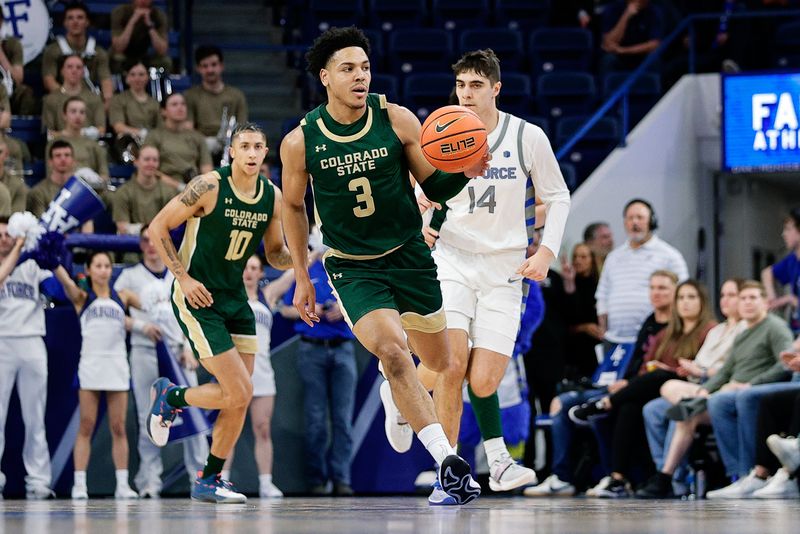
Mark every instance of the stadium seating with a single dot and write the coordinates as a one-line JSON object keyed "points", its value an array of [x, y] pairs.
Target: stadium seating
{"points": [[643, 94], [560, 49], [460, 14], [423, 93], [507, 44], [323, 14], [521, 14], [515, 95], [565, 93], [420, 50], [385, 84], [593, 147], [388, 15]]}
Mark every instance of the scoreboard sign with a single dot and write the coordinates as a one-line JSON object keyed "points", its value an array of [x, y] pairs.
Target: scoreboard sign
{"points": [[760, 130]]}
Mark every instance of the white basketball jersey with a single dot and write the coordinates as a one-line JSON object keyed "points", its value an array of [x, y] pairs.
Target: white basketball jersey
{"points": [[103, 327], [21, 312], [263, 327], [493, 212], [135, 279]]}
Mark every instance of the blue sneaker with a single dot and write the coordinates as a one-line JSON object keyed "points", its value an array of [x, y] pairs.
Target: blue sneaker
{"points": [[456, 480], [214, 489], [438, 497], [161, 413]]}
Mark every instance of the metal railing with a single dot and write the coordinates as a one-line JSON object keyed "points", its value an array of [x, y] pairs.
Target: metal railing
{"points": [[622, 93]]}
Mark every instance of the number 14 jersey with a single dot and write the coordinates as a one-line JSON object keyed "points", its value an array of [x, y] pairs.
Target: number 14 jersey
{"points": [[363, 199], [216, 247]]}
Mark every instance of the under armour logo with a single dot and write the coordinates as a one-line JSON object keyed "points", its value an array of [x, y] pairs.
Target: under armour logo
{"points": [[321, 148], [336, 276], [228, 201]]}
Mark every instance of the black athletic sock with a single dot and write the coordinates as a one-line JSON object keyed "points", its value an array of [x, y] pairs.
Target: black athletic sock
{"points": [[213, 465], [176, 397]]}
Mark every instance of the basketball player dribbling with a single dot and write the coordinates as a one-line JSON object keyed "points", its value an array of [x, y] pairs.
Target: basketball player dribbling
{"points": [[227, 212], [480, 257], [358, 150]]}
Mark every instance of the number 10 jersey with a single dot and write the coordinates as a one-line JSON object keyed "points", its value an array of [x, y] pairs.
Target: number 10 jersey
{"points": [[363, 199]]}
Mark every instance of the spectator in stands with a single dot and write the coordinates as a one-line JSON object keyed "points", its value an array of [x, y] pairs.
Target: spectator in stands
{"points": [[622, 302], [71, 68], [138, 201], [753, 360], [23, 101], [23, 360], [61, 164], [136, 29], [18, 191], [103, 367], [183, 150], [632, 29], [686, 331], [580, 284], [96, 74], [709, 360], [327, 365], [5, 201], [134, 112], [561, 482], [86, 151], [600, 239], [779, 413], [786, 271], [152, 282], [18, 153], [212, 101], [5, 108]]}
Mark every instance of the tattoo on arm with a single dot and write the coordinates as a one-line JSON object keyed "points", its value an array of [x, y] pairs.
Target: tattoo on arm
{"points": [[281, 260], [175, 264], [196, 188]]}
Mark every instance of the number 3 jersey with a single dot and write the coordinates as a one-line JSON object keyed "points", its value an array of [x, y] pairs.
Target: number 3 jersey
{"points": [[495, 212], [216, 246], [364, 202]]}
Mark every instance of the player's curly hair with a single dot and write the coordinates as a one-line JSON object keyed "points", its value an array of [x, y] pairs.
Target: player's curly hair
{"points": [[332, 41]]}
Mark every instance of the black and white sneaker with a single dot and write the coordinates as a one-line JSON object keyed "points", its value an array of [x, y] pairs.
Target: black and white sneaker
{"points": [[456, 480], [587, 412], [659, 486], [611, 488]]}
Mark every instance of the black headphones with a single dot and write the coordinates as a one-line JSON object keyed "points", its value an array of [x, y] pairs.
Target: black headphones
{"points": [[653, 223]]}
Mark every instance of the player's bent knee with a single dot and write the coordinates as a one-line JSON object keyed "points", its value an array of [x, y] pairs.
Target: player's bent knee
{"points": [[483, 388], [395, 359]]}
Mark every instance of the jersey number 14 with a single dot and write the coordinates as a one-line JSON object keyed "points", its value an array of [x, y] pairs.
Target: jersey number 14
{"points": [[485, 201]]}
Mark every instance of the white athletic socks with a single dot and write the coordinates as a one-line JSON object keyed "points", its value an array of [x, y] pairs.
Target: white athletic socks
{"points": [[80, 479], [225, 474], [122, 478], [494, 448], [434, 439], [264, 481]]}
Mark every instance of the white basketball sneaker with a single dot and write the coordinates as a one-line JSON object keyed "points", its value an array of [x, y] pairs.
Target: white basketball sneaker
{"points": [[398, 431], [505, 474], [551, 487], [79, 493], [125, 493], [780, 486]]}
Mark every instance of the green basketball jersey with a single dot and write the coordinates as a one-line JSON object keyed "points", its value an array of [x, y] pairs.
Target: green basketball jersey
{"points": [[364, 201], [216, 246]]}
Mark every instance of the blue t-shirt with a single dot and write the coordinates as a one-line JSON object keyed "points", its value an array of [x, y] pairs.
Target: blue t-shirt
{"points": [[323, 329], [646, 25], [787, 271]]}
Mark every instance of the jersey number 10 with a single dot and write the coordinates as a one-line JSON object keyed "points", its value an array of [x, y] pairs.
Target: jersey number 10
{"points": [[239, 241]]}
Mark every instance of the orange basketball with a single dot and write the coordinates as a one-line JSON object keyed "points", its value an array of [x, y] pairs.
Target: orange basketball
{"points": [[453, 139]]}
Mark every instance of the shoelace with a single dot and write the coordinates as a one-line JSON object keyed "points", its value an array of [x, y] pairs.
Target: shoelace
{"points": [[171, 414]]}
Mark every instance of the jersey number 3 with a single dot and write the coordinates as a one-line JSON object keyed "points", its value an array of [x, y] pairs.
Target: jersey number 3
{"points": [[239, 241], [366, 205]]}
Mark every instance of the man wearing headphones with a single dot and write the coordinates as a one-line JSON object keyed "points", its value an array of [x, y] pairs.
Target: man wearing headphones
{"points": [[622, 293]]}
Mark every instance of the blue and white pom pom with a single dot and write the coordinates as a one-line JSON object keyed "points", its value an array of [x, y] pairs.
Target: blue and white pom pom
{"points": [[25, 224]]}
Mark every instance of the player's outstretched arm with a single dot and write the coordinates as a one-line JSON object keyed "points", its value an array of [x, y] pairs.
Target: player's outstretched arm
{"points": [[437, 185], [198, 199], [277, 254], [295, 221]]}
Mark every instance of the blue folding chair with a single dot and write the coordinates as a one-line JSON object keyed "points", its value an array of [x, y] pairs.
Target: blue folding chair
{"points": [[385, 84], [388, 15], [560, 49], [460, 14], [507, 44], [423, 93], [522, 15], [593, 147], [565, 93], [412, 51]]}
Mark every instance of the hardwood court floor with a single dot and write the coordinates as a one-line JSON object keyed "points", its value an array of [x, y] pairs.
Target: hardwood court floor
{"points": [[401, 515]]}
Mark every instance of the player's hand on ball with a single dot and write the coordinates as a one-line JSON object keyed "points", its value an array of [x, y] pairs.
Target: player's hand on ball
{"points": [[305, 300], [481, 167], [195, 293], [536, 266], [430, 236], [152, 331]]}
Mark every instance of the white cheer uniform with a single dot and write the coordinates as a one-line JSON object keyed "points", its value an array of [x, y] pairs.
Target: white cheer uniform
{"points": [[263, 375], [23, 360], [153, 290], [104, 360], [487, 229]]}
